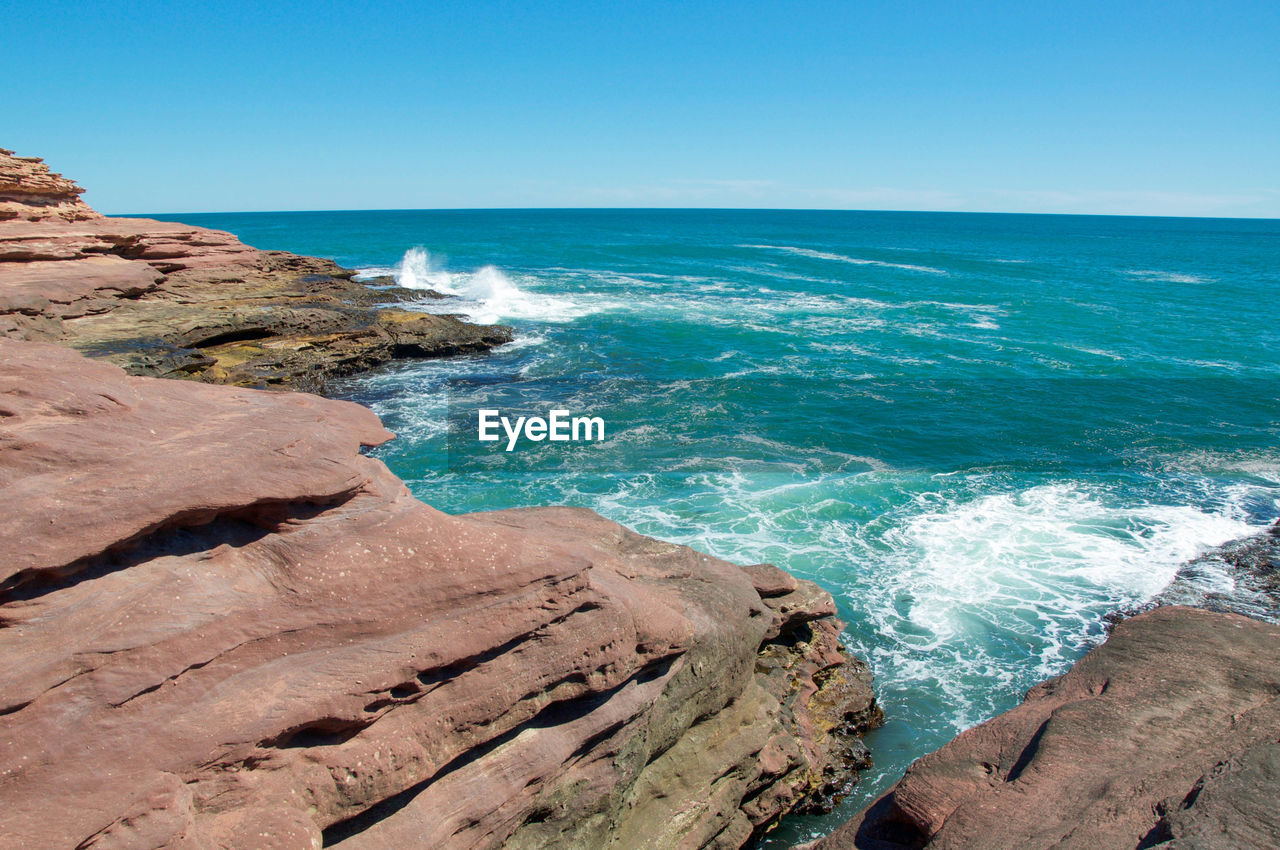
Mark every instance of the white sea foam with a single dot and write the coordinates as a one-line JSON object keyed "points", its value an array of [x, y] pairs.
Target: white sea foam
{"points": [[966, 579], [1207, 364], [966, 593], [1198, 476], [1045, 545], [486, 295], [370, 272], [981, 316], [1166, 276], [1096, 352], [841, 258]]}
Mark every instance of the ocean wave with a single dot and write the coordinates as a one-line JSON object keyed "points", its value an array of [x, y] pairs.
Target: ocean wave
{"points": [[965, 579], [982, 316], [841, 258], [1199, 476], [966, 593], [365, 273], [1166, 277], [523, 341], [486, 295], [1096, 352]]}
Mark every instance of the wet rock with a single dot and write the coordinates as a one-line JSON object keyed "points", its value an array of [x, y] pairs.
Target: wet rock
{"points": [[1242, 576]]}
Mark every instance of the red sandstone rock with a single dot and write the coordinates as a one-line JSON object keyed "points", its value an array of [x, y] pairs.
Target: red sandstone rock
{"points": [[173, 300], [1166, 733], [165, 245], [66, 290], [222, 626], [29, 190]]}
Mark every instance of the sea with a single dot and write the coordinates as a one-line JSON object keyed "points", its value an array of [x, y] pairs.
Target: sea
{"points": [[981, 433]]}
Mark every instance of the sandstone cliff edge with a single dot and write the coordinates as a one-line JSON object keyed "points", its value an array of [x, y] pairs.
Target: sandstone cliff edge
{"points": [[222, 625]]}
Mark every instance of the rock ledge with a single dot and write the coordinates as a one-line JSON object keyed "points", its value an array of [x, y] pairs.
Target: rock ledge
{"points": [[1167, 734], [224, 626], [171, 300]]}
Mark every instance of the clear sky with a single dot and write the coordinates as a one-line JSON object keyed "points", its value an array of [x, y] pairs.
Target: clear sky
{"points": [[1163, 108]]}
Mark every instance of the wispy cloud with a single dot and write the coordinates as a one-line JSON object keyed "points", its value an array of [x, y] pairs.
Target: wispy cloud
{"points": [[1260, 202], [885, 198], [749, 192], [684, 192], [768, 193]]}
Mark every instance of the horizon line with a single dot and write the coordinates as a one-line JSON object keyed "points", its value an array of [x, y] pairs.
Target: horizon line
{"points": [[694, 209]]}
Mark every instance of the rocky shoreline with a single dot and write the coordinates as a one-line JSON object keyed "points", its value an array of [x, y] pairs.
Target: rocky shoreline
{"points": [[1250, 567], [1165, 735], [176, 301], [223, 625], [221, 621], [1168, 734]]}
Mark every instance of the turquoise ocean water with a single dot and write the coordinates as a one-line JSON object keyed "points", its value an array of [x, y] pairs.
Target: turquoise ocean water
{"points": [[980, 432]]}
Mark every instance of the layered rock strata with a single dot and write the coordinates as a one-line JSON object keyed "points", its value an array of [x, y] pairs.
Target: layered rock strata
{"points": [[1168, 734], [224, 626], [30, 191], [172, 300]]}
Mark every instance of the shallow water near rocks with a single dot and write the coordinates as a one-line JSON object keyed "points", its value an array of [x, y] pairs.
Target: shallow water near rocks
{"points": [[981, 433]]}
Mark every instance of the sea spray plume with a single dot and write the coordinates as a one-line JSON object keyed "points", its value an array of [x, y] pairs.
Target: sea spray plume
{"points": [[416, 271], [411, 271], [496, 295], [491, 285], [487, 294]]}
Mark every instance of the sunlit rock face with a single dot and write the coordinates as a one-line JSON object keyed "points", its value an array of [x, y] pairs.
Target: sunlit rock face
{"points": [[1165, 733], [172, 300], [223, 625]]}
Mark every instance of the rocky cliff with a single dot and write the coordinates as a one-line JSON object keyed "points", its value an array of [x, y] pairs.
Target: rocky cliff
{"points": [[172, 300], [224, 626], [1168, 734], [30, 191]]}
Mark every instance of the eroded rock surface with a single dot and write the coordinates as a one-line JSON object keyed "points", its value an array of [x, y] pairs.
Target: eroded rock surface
{"points": [[223, 626], [173, 300], [1166, 735], [30, 191]]}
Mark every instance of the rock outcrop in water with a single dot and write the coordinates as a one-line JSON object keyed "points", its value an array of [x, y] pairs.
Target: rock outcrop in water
{"points": [[1168, 734], [1242, 576], [172, 300], [224, 626]]}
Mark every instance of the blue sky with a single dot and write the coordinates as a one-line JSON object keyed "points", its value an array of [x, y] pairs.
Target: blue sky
{"points": [[1162, 108]]}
